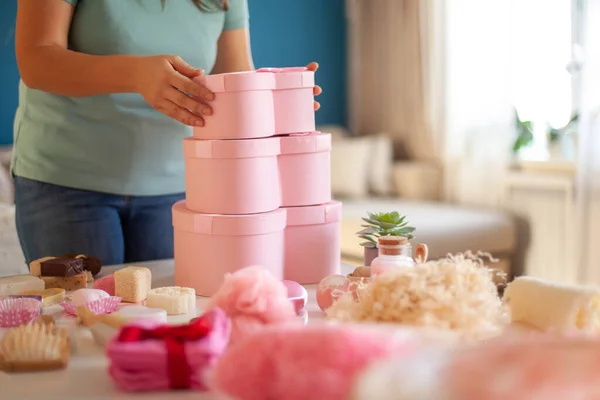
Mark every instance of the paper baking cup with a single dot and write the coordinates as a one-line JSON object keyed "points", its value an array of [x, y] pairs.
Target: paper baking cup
{"points": [[18, 311], [98, 307]]}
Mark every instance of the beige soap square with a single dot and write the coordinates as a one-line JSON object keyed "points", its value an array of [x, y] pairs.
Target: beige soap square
{"points": [[133, 283]]}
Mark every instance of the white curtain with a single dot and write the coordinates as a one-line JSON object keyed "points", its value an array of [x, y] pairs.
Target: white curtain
{"points": [[588, 200], [395, 60], [478, 114]]}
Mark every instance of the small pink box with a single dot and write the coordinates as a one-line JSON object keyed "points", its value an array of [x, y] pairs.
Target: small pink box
{"points": [[312, 242], [293, 99], [232, 176], [243, 106], [209, 246], [304, 169]]}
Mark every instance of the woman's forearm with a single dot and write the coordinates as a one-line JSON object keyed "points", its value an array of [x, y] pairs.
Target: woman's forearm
{"points": [[54, 69], [233, 52]]}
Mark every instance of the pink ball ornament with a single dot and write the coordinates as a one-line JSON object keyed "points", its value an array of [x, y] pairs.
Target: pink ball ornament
{"points": [[330, 289]]}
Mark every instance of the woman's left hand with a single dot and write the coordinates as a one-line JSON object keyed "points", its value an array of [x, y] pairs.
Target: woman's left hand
{"points": [[313, 66]]}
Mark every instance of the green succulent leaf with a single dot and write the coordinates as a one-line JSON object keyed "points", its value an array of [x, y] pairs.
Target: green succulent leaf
{"points": [[367, 230], [368, 237], [369, 245]]}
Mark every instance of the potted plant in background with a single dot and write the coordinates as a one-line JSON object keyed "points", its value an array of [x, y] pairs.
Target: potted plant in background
{"points": [[382, 224]]}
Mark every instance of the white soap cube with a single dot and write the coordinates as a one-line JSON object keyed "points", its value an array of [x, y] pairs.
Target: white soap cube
{"points": [[174, 300], [133, 283]]}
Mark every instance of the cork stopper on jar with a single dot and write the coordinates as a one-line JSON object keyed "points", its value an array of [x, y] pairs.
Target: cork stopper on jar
{"points": [[391, 245]]}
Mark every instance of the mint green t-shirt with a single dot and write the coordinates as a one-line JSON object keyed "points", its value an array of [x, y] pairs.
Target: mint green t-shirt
{"points": [[117, 143]]}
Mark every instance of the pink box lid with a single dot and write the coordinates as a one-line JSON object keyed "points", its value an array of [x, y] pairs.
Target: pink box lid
{"points": [[227, 225], [244, 148], [313, 215], [313, 142], [291, 78], [238, 81]]}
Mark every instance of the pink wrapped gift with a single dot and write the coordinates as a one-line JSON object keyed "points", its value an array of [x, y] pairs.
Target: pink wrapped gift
{"points": [[232, 176], [312, 242], [293, 99], [304, 169], [209, 246], [242, 108], [146, 357]]}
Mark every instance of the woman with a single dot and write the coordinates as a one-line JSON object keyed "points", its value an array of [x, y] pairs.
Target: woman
{"points": [[97, 158]]}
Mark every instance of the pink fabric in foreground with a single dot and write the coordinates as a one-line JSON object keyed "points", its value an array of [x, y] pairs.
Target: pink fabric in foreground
{"points": [[142, 366], [253, 298], [536, 367], [315, 362]]}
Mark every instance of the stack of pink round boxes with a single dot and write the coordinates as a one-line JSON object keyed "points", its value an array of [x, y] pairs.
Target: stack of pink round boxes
{"points": [[257, 184]]}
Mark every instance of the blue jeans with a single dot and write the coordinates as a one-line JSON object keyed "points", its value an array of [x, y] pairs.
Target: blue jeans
{"points": [[53, 220]]}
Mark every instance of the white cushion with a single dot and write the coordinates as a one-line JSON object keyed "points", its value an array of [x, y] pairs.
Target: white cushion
{"points": [[417, 180], [350, 167], [380, 176]]}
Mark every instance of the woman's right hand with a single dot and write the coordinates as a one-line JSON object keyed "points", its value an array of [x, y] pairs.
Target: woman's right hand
{"points": [[166, 84]]}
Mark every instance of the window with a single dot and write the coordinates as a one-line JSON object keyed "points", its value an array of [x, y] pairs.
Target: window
{"points": [[545, 60]]}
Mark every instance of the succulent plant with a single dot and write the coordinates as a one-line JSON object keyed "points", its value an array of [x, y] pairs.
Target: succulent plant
{"points": [[384, 224]]}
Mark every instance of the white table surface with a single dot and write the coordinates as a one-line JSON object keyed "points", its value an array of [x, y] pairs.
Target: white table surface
{"points": [[86, 376]]}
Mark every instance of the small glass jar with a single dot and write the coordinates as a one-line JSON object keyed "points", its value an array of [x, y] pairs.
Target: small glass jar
{"points": [[394, 252]]}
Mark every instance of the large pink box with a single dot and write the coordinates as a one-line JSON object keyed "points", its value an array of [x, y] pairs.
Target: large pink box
{"points": [[293, 99], [209, 246], [304, 169], [312, 242], [232, 176], [242, 108]]}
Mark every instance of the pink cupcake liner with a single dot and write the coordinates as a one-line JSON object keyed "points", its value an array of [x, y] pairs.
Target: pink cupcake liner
{"points": [[101, 306], [18, 311]]}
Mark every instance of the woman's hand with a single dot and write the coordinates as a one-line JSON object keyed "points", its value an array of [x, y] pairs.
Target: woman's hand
{"points": [[313, 66], [166, 84]]}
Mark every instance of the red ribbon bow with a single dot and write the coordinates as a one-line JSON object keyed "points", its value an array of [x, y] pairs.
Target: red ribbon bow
{"points": [[174, 338]]}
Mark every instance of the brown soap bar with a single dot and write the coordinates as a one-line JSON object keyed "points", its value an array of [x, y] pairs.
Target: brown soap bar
{"points": [[61, 267], [90, 263], [68, 283]]}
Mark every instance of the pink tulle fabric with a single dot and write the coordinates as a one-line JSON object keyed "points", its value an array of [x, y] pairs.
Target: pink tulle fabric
{"points": [[142, 366], [253, 298], [536, 367], [288, 363]]}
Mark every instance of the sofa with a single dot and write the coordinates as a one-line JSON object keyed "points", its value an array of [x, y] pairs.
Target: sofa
{"points": [[444, 228], [367, 178]]}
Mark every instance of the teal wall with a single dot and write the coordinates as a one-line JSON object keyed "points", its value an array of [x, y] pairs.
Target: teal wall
{"points": [[283, 32]]}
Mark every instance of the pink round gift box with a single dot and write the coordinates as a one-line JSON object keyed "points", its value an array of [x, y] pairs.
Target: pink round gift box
{"points": [[304, 169], [312, 242], [242, 108], [293, 99], [209, 246], [232, 176]]}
